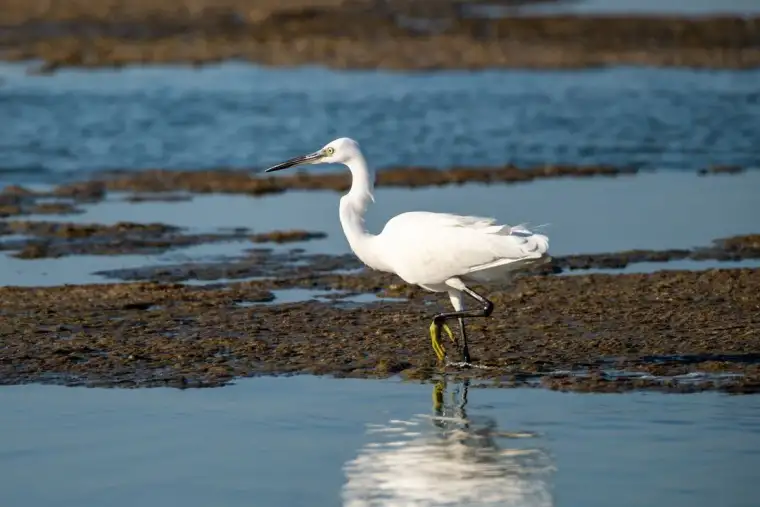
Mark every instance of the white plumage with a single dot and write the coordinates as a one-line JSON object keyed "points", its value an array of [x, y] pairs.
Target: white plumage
{"points": [[427, 249], [437, 251], [456, 461], [455, 469]]}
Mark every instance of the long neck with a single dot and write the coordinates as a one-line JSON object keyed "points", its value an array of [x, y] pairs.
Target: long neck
{"points": [[353, 207]]}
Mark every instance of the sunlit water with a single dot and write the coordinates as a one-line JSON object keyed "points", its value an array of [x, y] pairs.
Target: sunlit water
{"points": [[78, 122], [75, 123], [319, 442], [650, 211]]}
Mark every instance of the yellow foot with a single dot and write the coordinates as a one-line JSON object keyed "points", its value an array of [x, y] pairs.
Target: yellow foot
{"points": [[435, 338], [450, 333]]}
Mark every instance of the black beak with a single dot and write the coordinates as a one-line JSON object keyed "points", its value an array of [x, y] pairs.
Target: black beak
{"points": [[303, 159]]}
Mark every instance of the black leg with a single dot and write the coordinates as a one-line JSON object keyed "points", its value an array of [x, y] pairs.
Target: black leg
{"points": [[487, 309], [465, 350]]}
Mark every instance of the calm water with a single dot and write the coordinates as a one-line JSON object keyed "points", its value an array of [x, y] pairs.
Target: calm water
{"points": [[656, 211], [653, 211], [243, 116], [321, 442]]}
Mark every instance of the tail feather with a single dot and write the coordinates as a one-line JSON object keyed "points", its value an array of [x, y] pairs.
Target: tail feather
{"points": [[517, 249], [531, 244]]}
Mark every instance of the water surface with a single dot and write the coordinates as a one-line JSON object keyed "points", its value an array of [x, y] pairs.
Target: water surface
{"points": [[648, 211], [77, 122], [319, 442]]}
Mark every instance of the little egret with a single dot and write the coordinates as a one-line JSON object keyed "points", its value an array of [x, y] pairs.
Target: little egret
{"points": [[437, 251]]}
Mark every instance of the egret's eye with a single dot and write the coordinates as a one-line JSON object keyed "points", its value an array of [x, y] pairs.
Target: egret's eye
{"points": [[330, 150]]}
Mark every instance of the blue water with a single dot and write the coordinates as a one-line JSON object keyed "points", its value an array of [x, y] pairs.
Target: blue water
{"points": [[320, 442], [650, 211], [653, 211], [78, 122]]}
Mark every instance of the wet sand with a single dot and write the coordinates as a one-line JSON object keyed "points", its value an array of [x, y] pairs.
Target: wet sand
{"points": [[672, 330], [37, 239], [570, 333], [362, 34]]}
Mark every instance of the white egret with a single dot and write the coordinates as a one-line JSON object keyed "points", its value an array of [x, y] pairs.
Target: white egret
{"points": [[436, 251]]}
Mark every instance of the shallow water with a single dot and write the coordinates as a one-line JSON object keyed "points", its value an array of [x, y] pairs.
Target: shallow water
{"points": [[77, 122], [306, 441], [648, 211], [81, 269], [319, 442], [659, 211]]}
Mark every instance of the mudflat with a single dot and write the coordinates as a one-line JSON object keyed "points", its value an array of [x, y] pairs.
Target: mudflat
{"points": [[562, 332], [413, 35]]}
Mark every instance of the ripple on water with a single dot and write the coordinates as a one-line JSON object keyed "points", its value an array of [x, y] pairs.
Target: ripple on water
{"points": [[237, 115]]}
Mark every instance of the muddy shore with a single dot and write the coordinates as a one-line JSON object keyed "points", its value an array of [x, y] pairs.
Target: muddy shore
{"points": [[675, 331], [408, 35], [172, 186], [656, 326], [58, 239]]}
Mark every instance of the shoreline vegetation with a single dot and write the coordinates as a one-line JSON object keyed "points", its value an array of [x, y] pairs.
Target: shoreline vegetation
{"points": [[361, 34]]}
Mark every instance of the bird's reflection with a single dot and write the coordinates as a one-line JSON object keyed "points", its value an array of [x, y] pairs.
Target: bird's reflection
{"points": [[458, 460]]}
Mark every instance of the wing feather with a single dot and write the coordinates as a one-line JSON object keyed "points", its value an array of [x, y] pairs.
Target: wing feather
{"points": [[428, 248]]}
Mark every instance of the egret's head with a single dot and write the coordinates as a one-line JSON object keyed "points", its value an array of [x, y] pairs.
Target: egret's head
{"points": [[339, 151]]}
